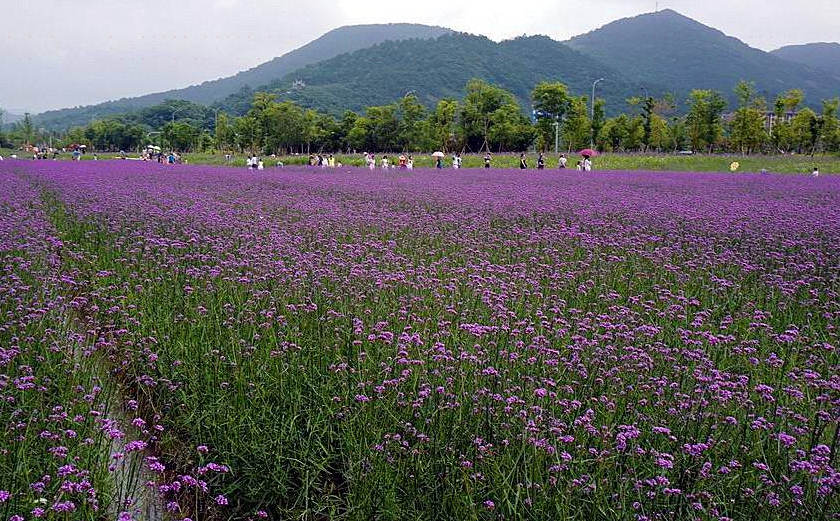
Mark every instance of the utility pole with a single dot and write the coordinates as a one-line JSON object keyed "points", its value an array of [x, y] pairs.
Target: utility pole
{"points": [[592, 117], [556, 135]]}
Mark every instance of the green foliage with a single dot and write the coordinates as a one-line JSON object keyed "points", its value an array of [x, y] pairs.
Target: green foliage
{"points": [[577, 128], [181, 136], [551, 101], [438, 69], [682, 55], [704, 119], [747, 132]]}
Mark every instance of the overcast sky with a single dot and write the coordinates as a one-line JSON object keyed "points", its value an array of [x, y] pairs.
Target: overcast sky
{"points": [[57, 53]]}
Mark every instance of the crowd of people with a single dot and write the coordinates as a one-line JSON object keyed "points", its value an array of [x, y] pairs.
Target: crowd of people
{"points": [[403, 162]]}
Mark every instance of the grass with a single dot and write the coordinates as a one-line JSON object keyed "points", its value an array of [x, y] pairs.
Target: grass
{"points": [[788, 164]]}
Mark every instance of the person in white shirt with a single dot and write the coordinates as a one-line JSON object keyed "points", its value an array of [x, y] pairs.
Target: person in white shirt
{"points": [[563, 161], [816, 172], [409, 164], [587, 164], [248, 162], [384, 162]]}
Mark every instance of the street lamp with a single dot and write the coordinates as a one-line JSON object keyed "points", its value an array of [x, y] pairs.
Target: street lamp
{"points": [[592, 118]]}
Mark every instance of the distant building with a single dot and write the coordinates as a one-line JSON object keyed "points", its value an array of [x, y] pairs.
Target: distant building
{"points": [[298, 85], [770, 119]]}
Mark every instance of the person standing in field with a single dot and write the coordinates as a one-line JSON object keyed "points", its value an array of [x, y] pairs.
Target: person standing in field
{"points": [[579, 166], [487, 160], [385, 162], [409, 164], [562, 161], [523, 163], [439, 163], [816, 172], [587, 164], [541, 162]]}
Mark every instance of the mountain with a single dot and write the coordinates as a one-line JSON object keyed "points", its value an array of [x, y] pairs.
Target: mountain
{"points": [[331, 44], [681, 54], [440, 68], [825, 56], [11, 116]]}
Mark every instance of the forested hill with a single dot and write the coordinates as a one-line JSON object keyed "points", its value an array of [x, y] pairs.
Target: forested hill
{"points": [[333, 43], [437, 69], [825, 56], [669, 49]]}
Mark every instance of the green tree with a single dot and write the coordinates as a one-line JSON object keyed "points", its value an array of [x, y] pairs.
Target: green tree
{"points": [[412, 123], [747, 126], [577, 127], [704, 124], [805, 131], [180, 135], [829, 127], [27, 130], [348, 120], [283, 126], [359, 137], [551, 101], [481, 101], [225, 136], [248, 133], [510, 129], [599, 114], [660, 136], [443, 125], [648, 112], [384, 128]]}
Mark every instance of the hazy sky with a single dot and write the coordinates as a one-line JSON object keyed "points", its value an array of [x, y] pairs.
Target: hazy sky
{"points": [[59, 53]]}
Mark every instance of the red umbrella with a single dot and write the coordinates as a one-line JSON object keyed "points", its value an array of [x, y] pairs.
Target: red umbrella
{"points": [[588, 152]]}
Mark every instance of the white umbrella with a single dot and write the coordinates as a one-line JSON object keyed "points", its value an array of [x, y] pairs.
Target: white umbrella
{"points": [[438, 154]]}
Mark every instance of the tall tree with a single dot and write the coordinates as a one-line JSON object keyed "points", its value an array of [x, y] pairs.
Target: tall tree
{"points": [[805, 131], [648, 112], [704, 119], [747, 127], [27, 130], [481, 101], [412, 116], [551, 101], [443, 125], [224, 132], [829, 127], [577, 128]]}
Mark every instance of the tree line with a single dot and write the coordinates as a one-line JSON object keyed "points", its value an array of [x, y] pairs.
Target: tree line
{"points": [[487, 118]]}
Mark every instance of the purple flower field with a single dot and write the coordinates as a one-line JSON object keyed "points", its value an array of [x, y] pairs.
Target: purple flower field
{"points": [[215, 343]]}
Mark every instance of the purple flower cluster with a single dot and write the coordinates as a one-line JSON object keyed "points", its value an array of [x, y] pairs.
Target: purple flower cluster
{"points": [[484, 344]]}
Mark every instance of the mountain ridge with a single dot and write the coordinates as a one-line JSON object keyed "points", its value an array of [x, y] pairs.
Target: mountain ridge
{"points": [[675, 50], [328, 45], [657, 52], [438, 69], [824, 56]]}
